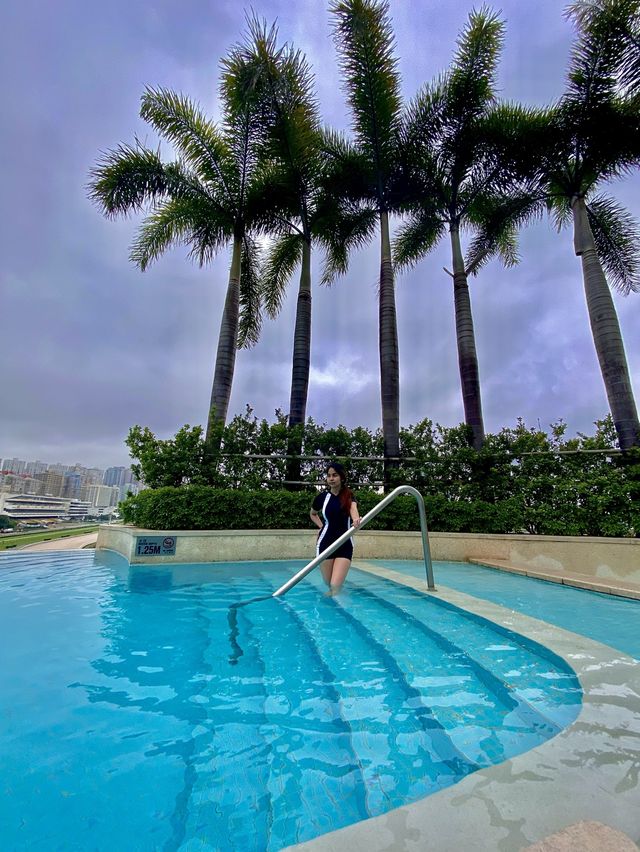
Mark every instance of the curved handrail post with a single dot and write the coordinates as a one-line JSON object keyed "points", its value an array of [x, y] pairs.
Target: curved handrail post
{"points": [[401, 489]]}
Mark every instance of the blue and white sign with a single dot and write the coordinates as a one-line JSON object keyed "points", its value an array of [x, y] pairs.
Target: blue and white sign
{"points": [[156, 545]]}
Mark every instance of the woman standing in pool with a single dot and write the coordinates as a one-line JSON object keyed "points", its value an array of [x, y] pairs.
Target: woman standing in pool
{"points": [[334, 511]]}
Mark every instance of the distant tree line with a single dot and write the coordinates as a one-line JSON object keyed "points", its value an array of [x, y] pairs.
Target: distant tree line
{"points": [[454, 159]]}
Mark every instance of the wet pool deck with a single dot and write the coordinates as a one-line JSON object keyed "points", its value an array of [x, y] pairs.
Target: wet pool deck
{"points": [[586, 775]]}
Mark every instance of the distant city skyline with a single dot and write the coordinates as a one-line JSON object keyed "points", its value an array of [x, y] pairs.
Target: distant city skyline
{"points": [[59, 464], [34, 481]]}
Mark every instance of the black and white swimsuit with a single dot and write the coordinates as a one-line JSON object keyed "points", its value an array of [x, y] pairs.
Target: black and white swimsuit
{"points": [[336, 522]]}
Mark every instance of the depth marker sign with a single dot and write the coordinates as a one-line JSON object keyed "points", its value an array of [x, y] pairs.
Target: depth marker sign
{"points": [[156, 545]]}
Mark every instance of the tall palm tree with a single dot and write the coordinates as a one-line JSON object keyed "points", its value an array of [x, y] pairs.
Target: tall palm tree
{"points": [[211, 196], [594, 137], [365, 45], [455, 138], [308, 211]]}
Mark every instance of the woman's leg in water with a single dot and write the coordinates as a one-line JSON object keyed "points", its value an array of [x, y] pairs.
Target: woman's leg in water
{"points": [[327, 569], [339, 574]]}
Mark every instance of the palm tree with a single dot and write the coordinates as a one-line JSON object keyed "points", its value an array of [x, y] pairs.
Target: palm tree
{"points": [[211, 196], [365, 44], [455, 141], [594, 137], [307, 210]]}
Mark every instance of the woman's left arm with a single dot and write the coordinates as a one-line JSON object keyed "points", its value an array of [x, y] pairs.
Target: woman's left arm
{"points": [[355, 515]]}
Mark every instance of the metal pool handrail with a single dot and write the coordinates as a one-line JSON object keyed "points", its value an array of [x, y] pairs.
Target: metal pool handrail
{"points": [[401, 489]]}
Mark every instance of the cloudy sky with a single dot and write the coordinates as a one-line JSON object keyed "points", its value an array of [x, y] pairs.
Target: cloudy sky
{"points": [[91, 346]]}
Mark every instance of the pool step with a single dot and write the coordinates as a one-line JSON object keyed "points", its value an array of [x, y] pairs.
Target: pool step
{"points": [[483, 717], [442, 675], [226, 791], [311, 762], [537, 678], [390, 726]]}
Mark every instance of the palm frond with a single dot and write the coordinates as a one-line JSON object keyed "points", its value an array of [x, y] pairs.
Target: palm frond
{"points": [[179, 120], [245, 109], [160, 231], [287, 87], [496, 220], [126, 179], [521, 140], [597, 54], [282, 259], [617, 238], [417, 237], [366, 48], [486, 245], [186, 220], [558, 203], [272, 204], [423, 117], [611, 147], [472, 78], [250, 321], [597, 19], [347, 172], [346, 229]]}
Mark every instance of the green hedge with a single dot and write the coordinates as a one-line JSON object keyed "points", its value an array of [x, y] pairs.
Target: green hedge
{"points": [[523, 480], [594, 512]]}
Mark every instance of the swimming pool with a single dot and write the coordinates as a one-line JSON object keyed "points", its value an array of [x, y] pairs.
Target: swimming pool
{"points": [[131, 710]]}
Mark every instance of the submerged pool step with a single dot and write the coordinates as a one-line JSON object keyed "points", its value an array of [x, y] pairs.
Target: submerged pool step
{"points": [[311, 762], [484, 718], [404, 752], [533, 674], [244, 784], [226, 794]]}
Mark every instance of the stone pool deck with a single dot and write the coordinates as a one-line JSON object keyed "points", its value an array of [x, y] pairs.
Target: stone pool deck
{"points": [[588, 775]]}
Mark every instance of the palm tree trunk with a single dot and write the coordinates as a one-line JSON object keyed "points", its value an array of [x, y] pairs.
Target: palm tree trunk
{"points": [[226, 355], [301, 365], [606, 331], [389, 359], [465, 336]]}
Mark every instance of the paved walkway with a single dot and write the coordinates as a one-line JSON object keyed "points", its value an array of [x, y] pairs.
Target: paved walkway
{"points": [[73, 542]]}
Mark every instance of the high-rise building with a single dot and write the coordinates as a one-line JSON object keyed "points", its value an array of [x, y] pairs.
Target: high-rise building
{"points": [[53, 482], [58, 468], [14, 483], [94, 476], [13, 466], [72, 485], [34, 467], [113, 476], [101, 496]]}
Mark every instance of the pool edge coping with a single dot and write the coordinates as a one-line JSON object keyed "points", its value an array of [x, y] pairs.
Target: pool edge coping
{"points": [[584, 773]]}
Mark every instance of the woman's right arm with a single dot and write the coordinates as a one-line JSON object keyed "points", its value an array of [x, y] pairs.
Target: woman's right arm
{"points": [[315, 517]]}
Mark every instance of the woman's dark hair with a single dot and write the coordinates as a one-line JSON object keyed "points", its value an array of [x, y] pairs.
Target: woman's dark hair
{"points": [[345, 494]]}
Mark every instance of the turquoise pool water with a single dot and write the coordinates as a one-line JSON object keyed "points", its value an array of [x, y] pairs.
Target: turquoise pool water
{"points": [[135, 714], [605, 618]]}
